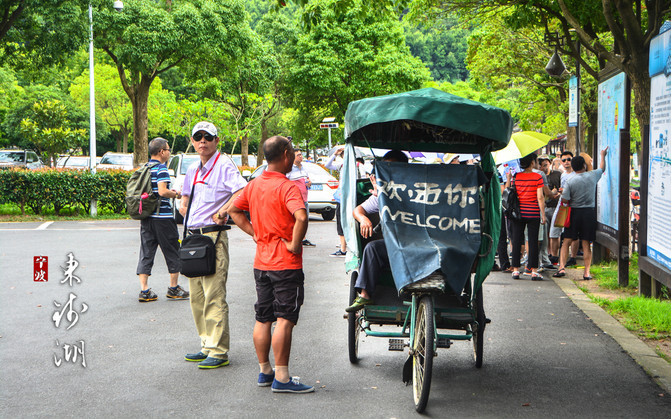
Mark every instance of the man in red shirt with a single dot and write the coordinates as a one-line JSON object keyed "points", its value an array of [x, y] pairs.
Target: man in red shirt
{"points": [[278, 224]]}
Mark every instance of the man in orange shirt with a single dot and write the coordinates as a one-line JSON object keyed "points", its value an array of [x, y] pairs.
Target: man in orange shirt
{"points": [[278, 224]]}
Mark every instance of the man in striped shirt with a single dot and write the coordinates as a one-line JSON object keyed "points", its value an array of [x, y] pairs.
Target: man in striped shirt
{"points": [[159, 229]]}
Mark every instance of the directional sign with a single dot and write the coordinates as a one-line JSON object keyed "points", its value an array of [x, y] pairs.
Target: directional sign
{"points": [[330, 125]]}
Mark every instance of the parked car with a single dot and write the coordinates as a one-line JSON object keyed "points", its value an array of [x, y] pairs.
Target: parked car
{"points": [[320, 193], [237, 158], [20, 158], [177, 167], [111, 160], [73, 162]]}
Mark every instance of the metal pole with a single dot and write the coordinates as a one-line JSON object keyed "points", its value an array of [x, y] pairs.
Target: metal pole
{"points": [[330, 146], [92, 110], [577, 75]]}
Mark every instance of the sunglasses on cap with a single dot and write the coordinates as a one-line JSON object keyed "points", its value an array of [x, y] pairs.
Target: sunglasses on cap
{"points": [[199, 136], [566, 159]]}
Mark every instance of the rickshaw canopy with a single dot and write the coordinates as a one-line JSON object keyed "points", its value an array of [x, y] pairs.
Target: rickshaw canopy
{"points": [[427, 120]]}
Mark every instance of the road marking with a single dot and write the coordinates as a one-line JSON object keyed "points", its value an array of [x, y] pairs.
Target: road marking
{"points": [[71, 229], [44, 226]]}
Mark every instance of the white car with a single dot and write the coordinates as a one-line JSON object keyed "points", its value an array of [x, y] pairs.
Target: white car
{"points": [[74, 162], [320, 193], [177, 166], [112, 160]]}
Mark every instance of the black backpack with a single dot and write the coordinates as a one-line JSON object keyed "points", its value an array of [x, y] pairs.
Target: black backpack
{"points": [[141, 201], [511, 202]]}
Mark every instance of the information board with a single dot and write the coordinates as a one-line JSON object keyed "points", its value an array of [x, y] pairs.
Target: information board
{"points": [[611, 112], [659, 178]]}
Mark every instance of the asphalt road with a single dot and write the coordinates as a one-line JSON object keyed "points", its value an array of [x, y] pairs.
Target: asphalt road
{"points": [[543, 356]]}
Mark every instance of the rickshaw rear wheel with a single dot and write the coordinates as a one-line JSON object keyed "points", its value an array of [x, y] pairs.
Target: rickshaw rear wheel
{"points": [[353, 328], [479, 334], [422, 353]]}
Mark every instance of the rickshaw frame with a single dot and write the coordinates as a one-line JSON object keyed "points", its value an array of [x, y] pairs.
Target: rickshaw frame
{"points": [[425, 120]]}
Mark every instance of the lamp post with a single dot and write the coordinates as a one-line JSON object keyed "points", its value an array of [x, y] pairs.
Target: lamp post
{"points": [[118, 5], [556, 68]]}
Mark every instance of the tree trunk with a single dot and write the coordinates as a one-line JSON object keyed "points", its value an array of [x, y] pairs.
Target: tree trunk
{"points": [[264, 136], [125, 132], [641, 87], [140, 122], [244, 150]]}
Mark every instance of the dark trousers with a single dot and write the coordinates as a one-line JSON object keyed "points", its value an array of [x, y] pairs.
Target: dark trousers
{"points": [[502, 249], [533, 225], [156, 232], [373, 262]]}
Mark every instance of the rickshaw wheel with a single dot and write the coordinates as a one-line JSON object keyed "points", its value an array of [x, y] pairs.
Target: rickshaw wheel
{"points": [[353, 328], [423, 351], [479, 335]]}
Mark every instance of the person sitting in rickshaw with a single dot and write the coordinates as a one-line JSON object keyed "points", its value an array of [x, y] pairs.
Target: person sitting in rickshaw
{"points": [[375, 259]]}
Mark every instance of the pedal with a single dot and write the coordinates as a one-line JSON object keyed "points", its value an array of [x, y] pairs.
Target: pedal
{"points": [[443, 343], [396, 344]]}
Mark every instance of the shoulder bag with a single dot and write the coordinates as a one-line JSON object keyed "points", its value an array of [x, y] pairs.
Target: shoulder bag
{"points": [[563, 218], [197, 253], [511, 202]]}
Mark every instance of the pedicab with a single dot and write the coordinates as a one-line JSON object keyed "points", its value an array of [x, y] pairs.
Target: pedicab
{"points": [[439, 223]]}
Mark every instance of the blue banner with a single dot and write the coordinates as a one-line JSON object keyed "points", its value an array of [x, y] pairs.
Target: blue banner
{"points": [[431, 220]]}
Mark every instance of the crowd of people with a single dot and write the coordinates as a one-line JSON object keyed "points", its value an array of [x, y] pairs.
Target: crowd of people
{"points": [[276, 202], [543, 186]]}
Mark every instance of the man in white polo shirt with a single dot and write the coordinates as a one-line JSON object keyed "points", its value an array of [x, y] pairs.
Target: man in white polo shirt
{"points": [[213, 182]]}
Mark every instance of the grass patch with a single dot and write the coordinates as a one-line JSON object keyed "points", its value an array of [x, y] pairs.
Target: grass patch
{"points": [[606, 274], [11, 213], [650, 317]]}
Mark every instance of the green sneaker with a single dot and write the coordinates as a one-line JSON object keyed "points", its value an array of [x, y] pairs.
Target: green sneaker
{"points": [[358, 304], [210, 363]]}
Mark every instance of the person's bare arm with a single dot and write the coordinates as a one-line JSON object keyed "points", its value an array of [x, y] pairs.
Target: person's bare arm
{"points": [[219, 217], [167, 193], [365, 224], [295, 246], [240, 219], [602, 160], [541, 202], [184, 205]]}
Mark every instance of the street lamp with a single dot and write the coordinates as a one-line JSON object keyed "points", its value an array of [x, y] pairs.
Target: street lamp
{"points": [[118, 5], [556, 68]]}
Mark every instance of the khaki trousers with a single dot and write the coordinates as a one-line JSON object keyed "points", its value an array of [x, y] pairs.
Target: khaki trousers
{"points": [[208, 303]]}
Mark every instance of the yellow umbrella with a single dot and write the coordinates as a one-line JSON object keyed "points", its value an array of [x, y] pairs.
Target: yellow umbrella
{"points": [[521, 144]]}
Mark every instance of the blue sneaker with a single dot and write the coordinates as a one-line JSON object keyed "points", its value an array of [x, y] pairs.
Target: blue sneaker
{"points": [[293, 386], [210, 363], [266, 379], [195, 357]]}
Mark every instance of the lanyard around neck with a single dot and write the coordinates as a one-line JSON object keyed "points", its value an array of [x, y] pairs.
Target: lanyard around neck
{"points": [[195, 178]]}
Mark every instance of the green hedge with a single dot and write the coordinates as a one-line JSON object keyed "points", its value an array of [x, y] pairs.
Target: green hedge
{"points": [[58, 188]]}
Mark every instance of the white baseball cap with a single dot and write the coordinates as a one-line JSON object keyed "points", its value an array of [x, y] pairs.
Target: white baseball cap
{"points": [[205, 126]]}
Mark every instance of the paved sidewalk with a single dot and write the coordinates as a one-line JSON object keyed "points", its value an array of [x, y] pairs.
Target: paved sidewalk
{"points": [[653, 364]]}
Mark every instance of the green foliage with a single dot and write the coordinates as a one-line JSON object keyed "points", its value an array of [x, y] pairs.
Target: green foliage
{"points": [[43, 189], [49, 129], [442, 47], [652, 317], [346, 57], [45, 31], [606, 274], [24, 108]]}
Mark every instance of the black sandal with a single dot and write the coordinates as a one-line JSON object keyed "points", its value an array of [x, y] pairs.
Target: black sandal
{"points": [[560, 273]]}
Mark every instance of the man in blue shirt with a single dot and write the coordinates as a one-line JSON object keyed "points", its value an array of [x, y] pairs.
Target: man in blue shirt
{"points": [[159, 229]]}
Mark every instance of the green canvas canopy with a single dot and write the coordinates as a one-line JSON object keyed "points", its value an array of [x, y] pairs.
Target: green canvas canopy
{"points": [[427, 120]]}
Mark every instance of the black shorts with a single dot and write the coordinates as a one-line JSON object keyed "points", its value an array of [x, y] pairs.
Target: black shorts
{"points": [[279, 294], [583, 224]]}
